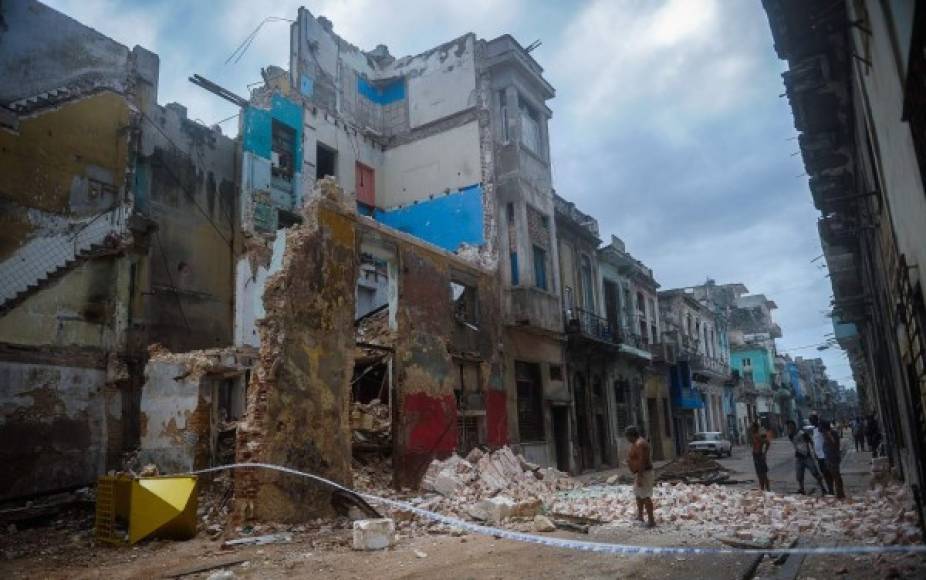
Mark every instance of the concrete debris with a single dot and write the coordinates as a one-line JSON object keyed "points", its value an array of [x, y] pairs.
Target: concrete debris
{"points": [[370, 418], [278, 538], [374, 534], [493, 510], [420, 554], [221, 575], [543, 524], [691, 468], [882, 515], [492, 486]]}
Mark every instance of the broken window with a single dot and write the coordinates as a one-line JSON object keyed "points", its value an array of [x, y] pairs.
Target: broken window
{"points": [[471, 408], [587, 286], [283, 153], [556, 372], [622, 404], [465, 304], [540, 268], [515, 275], [530, 128], [325, 161], [530, 401]]}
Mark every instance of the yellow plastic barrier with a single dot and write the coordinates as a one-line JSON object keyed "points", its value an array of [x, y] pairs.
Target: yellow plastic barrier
{"points": [[162, 506]]}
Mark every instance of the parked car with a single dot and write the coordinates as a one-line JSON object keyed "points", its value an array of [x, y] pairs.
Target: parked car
{"points": [[711, 442]]}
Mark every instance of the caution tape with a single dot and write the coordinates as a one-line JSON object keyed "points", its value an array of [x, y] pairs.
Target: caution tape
{"points": [[580, 545]]}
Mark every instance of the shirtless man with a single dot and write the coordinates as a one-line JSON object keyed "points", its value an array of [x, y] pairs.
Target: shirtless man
{"points": [[640, 464]]}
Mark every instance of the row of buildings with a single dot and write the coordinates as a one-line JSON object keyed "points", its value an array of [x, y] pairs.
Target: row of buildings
{"points": [[856, 82], [382, 233]]}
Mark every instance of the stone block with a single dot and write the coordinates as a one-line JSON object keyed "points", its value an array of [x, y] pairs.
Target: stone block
{"points": [[375, 534], [492, 510]]}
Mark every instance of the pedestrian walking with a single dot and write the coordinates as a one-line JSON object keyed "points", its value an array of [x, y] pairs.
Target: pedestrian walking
{"points": [[858, 433], [804, 459], [760, 445], [818, 450], [873, 434], [644, 478], [832, 450]]}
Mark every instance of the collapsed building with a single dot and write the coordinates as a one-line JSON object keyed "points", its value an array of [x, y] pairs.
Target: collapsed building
{"points": [[172, 290]]}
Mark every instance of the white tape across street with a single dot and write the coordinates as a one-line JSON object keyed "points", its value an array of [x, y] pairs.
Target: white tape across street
{"points": [[585, 546]]}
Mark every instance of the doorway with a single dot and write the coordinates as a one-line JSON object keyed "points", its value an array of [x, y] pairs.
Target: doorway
{"points": [[655, 430], [561, 436]]}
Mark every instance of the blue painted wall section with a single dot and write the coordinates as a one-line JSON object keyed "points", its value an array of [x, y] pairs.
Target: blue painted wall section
{"points": [[384, 94], [257, 140], [445, 221], [257, 131], [681, 391]]}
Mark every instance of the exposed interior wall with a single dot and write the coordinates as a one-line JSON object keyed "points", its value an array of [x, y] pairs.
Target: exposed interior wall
{"points": [[251, 275], [432, 343], [186, 186], [446, 161]]}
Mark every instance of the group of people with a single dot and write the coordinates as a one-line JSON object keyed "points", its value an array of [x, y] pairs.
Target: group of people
{"points": [[865, 430], [817, 449]]}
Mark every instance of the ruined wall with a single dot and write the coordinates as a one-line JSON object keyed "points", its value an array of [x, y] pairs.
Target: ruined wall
{"points": [[186, 185], [53, 424], [180, 406], [298, 400], [430, 346]]}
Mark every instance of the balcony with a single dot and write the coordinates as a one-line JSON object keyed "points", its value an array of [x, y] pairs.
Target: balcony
{"points": [[709, 366], [533, 308], [581, 321], [662, 352]]}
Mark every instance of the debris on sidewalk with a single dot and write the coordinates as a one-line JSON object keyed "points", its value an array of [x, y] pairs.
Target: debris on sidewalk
{"points": [[880, 516], [278, 538], [693, 468]]}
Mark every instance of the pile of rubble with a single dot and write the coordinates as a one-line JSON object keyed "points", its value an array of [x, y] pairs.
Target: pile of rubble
{"points": [[491, 486], [370, 422], [880, 516], [693, 468]]}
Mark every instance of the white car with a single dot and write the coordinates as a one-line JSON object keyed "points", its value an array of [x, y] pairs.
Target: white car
{"points": [[711, 442]]}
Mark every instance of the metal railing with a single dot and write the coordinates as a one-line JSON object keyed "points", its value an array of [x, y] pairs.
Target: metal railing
{"points": [[590, 324]]}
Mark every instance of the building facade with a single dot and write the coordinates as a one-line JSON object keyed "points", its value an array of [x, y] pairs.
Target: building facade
{"points": [[855, 81]]}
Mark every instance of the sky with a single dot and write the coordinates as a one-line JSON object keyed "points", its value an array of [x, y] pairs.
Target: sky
{"points": [[668, 122]]}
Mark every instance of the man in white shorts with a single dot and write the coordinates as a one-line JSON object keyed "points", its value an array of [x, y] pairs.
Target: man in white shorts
{"points": [[641, 465]]}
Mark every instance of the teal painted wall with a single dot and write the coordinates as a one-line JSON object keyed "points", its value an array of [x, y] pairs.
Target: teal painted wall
{"points": [[761, 364]]}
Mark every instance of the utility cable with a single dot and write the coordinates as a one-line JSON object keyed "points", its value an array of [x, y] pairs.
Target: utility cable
{"points": [[580, 545]]}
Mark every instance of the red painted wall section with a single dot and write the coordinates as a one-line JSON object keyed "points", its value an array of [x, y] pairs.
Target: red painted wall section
{"points": [[430, 426], [496, 418]]}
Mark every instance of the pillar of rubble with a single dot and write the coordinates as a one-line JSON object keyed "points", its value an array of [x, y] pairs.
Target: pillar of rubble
{"points": [[299, 396]]}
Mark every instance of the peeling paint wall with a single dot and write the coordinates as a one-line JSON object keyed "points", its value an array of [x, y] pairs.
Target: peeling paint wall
{"points": [[87, 145], [180, 406], [52, 425]]}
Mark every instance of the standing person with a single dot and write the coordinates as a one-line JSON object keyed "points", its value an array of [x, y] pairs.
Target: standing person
{"points": [[760, 445], [873, 434], [819, 452], [804, 459], [833, 454], [858, 433], [644, 478]]}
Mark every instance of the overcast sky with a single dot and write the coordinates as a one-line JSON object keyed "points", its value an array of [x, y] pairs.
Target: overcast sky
{"points": [[667, 122]]}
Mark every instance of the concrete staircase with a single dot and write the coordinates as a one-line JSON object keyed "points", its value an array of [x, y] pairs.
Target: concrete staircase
{"points": [[45, 258]]}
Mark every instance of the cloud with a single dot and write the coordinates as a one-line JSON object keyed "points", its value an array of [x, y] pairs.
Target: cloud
{"points": [[679, 57]]}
